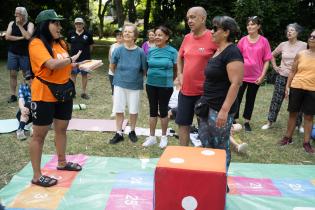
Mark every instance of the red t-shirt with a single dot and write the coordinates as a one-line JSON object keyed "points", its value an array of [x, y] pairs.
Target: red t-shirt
{"points": [[195, 51]]}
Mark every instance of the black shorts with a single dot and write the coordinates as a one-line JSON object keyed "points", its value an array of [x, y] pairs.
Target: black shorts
{"points": [[18, 114], [185, 109], [43, 113], [303, 100]]}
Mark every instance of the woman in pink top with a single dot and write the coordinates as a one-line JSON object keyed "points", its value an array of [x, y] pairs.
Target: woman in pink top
{"points": [[288, 51], [256, 51]]}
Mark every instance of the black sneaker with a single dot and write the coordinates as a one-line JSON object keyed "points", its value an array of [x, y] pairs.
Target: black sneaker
{"points": [[12, 99], [227, 188], [132, 136], [117, 138], [85, 96], [247, 127]]}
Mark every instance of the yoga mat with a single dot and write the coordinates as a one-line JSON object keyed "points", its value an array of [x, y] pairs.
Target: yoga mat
{"points": [[10, 125], [94, 125], [108, 183]]}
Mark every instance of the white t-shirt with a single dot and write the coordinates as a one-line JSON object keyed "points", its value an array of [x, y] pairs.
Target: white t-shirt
{"points": [[110, 54]]}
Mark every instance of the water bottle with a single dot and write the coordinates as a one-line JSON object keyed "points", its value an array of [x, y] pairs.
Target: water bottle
{"points": [[79, 106]]}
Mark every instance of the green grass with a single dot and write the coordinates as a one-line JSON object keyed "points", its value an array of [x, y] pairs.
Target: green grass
{"points": [[14, 154]]}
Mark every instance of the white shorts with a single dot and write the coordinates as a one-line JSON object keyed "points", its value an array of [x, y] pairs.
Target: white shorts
{"points": [[123, 97]]}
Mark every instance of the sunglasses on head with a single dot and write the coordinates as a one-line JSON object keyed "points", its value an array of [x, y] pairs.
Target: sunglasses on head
{"points": [[311, 37], [252, 17]]}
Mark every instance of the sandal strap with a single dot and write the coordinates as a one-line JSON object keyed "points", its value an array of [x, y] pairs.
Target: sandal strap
{"points": [[46, 179]]}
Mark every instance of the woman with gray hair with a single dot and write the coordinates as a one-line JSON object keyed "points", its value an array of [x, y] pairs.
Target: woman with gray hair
{"points": [[288, 50], [224, 75], [18, 34]]}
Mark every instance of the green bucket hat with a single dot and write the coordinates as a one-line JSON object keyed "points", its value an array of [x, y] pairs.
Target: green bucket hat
{"points": [[48, 14]]}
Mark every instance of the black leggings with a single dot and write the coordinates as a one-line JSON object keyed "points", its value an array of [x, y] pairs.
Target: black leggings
{"points": [[251, 93], [158, 100]]}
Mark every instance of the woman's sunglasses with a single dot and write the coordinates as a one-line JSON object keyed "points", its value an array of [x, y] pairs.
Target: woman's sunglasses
{"points": [[215, 28]]}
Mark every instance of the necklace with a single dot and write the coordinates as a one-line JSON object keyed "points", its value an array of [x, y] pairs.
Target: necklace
{"points": [[220, 49]]}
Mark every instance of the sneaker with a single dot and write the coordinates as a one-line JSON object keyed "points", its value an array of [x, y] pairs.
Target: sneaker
{"points": [[149, 141], [116, 139], [285, 141], [12, 99], [163, 142], [20, 135], [242, 148], [266, 127], [132, 136], [247, 127], [308, 148], [301, 129], [85, 96]]}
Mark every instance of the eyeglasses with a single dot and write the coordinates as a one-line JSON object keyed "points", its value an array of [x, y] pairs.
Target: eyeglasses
{"points": [[311, 37]]}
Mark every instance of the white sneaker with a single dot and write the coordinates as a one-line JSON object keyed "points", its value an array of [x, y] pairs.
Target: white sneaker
{"points": [[149, 141], [301, 129], [20, 135], [266, 127], [163, 142], [242, 148]]}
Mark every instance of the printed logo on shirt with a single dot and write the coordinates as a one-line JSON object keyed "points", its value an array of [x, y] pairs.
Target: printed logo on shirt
{"points": [[85, 37], [201, 49], [73, 37]]}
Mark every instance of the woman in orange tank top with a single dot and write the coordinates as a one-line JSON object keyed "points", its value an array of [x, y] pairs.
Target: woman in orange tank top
{"points": [[300, 89]]}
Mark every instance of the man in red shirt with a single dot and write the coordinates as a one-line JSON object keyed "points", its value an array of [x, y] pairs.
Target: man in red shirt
{"points": [[196, 49]]}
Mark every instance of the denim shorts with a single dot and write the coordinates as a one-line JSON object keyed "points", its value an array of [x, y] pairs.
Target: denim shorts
{"points": [[18, 62], [77, 71]]}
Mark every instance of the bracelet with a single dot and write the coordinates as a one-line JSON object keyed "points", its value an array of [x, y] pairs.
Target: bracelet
{"points": [[70, 59]]}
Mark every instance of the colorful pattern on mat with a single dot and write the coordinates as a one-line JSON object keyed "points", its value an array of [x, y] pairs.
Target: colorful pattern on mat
{"points": [[124, 183]]}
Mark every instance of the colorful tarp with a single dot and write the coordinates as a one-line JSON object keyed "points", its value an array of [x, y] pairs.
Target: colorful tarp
{"points": [[124, 183]]}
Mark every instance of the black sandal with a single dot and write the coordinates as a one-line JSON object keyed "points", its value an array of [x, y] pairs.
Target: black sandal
{"points": [[45, 181], [70, 167]]}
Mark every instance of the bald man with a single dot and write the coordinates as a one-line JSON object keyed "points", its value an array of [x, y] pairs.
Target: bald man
{"points": [[195, 51]]}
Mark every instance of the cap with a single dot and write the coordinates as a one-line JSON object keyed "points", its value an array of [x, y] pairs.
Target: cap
{"points": [[78, 20], [48, 14]]}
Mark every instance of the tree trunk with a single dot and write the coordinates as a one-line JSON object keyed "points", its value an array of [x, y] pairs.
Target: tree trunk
{"points": [[146, 17], [120, 12], [101, 13], [132, 13]]}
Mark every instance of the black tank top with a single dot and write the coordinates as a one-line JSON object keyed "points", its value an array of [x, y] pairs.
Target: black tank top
{"points": [[18, 47]]}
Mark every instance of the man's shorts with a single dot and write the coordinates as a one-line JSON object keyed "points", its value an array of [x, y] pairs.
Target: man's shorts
{"points": [[43, 113], [185, 109], [303, 100], [77, 71], [123, 97], [18, 62]]}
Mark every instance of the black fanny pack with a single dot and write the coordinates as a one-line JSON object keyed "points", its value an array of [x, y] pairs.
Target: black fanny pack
{"points": [[62, 92], [201, 108]]}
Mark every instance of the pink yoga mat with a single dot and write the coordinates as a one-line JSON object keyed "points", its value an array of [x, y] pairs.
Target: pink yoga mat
{"points": [[94, 125]]}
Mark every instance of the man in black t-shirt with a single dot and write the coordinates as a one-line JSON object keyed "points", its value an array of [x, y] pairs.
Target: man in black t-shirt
{"points": [[80, 39]]}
